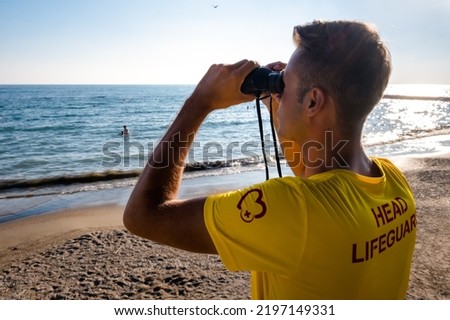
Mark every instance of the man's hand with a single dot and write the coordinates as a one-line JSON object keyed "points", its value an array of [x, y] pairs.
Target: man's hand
{"points": [[220, 86]]}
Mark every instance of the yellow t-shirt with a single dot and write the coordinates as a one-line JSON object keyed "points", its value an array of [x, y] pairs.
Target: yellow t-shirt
{"points": [[335, 235]]}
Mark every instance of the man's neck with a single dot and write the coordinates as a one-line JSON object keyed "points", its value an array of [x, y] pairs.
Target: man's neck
{"points": [[337, 152]]}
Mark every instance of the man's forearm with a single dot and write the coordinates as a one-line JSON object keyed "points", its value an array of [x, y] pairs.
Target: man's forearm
{"points": [[153, 212], [161, 177]]}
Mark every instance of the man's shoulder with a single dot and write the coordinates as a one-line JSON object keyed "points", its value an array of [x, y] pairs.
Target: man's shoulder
{"points": [[388, 168]]}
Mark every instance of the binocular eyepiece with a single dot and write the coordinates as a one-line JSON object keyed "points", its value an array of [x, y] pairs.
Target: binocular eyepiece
{"points": [[263, 80]]}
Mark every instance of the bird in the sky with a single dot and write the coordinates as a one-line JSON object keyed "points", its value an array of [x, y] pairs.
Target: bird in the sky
{"points": [[215, 6]]}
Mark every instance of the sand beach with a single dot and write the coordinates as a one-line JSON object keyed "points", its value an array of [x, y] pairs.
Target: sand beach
{"points": [[85, 253]]}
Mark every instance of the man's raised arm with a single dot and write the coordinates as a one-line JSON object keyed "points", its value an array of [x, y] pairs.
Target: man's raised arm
{"points": [[153, 212]]}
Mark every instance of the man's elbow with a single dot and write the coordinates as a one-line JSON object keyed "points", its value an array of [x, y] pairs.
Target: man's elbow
{"points": [[132, 220], [141, 219]]}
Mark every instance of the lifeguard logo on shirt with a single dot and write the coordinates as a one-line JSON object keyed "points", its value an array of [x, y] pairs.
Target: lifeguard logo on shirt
{"points": [[255, 212]]}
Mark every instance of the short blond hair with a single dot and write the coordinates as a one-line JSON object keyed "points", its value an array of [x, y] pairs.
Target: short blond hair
{"points": [[348, 60]]}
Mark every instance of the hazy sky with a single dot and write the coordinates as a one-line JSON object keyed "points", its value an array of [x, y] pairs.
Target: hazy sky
{"points": [[175, 41]]}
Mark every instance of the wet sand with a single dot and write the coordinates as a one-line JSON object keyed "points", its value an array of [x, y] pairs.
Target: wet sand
{"points": [[86, 253]]}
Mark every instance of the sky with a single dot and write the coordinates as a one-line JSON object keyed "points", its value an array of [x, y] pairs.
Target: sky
{"points": [[175, 41]]}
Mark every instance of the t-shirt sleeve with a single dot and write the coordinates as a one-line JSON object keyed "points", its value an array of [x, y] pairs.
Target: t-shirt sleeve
{"points": [[260, 228]]}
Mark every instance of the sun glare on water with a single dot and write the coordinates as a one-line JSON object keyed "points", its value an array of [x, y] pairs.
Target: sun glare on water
{"points": [[419, 90]]}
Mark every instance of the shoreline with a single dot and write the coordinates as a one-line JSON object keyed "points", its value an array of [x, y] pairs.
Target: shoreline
{"points": [[85, 252], [216, 180]]}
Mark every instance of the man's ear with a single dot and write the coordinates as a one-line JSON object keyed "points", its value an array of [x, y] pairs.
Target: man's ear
{"points": [[314, 101]]}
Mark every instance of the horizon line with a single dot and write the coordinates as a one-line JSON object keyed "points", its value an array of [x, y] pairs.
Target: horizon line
{"points": [[175, 84]]}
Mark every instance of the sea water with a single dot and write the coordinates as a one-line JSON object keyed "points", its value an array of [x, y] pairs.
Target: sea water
{"points": [[67, 138]]}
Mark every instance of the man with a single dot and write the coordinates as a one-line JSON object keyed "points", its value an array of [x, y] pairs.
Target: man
{"points": [[125, 131], [342, 228]]}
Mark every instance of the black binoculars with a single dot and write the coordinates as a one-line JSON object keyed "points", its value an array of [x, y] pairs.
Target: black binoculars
{"points": [[263, 80]]}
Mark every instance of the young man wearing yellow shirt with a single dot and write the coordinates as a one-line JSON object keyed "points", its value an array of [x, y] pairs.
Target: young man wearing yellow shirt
{"points": [[343, 227]]}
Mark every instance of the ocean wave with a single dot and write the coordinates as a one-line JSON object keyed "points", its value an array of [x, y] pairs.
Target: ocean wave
{"points": [[108, 176], [196, 166], [67, 180], [193, 169], [412, 135]]}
